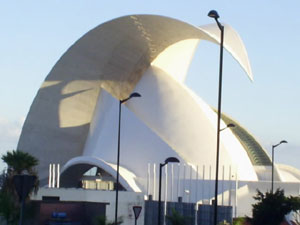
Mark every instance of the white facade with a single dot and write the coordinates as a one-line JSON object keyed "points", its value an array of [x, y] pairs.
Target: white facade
{"points": [[126, 201]]}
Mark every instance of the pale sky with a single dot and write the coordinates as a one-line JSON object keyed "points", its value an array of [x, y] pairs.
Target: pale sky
{"points": [[35, 34]]}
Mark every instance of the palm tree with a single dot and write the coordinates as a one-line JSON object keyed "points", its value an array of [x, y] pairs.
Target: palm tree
{"points": [[18, 162]]}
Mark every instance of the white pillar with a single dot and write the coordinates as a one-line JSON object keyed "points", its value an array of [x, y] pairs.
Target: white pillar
{"points": [[203, 180], [230, 187], [154, 180], [190, 185], [183, 186], [223, 171], [196, 195], [210, 183], [197, 180], [178, 181], [148, 179], [50, 176], [166, 182], [53, 175], [58, 176], [172, 181], [166, 192], [236, 192]]}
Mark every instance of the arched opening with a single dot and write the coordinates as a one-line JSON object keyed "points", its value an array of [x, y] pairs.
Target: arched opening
{"points": [[88, 176]]}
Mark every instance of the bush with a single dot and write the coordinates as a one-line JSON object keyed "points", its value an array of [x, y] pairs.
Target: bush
{"points": [[177, 219], [272, 207], [240, 221], [223, 223]]}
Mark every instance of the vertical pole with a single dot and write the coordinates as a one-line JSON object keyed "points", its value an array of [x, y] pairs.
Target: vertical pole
{"points": [[223, 171], [196, 195], [21, 211], [203, 185], [209, 191], [53, 175], [118, 163], [230, 186], [219, 120], [159, 194], [190, 186], [58, 175], [50, 176], [272, 181], [236, 192], [172, 182], [197, 180], [154, 181], [148, 179], [178, 182], [183, 185], [166, 193]]}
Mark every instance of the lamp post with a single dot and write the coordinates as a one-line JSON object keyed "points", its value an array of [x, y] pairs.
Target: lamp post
{"points": [[273, 147], [135, 94], [161, 165], [214, 14]]}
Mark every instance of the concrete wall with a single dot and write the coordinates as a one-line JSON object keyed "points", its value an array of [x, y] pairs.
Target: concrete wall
{"points": [[126, 201], [239, 195]]}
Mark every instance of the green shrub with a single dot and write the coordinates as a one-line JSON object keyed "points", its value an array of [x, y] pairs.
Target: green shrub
{"points": [[223, 223], [272, 207], [239, 221]]}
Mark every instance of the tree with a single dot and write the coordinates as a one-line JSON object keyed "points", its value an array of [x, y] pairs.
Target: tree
{"points": [[18, 162], [8, 208], [272, 207], [176, 218]]}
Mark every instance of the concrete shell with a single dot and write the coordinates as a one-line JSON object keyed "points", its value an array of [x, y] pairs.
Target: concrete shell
{"points": [[74, 112]]}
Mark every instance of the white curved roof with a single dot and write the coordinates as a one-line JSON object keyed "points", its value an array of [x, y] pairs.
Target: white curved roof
{"points": [[127, 178], [288, 173], [146, 53]]}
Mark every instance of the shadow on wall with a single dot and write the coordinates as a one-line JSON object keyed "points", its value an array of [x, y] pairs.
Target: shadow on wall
{"points": [[49, 132]]}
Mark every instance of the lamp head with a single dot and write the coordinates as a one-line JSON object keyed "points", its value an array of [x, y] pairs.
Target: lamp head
{"points": [[171, 160], [132, 95], [230, 125], [213, 14], [282, 142], [135, 94]]}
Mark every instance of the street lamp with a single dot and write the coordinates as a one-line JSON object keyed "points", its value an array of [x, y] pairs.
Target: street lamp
{"points": [[135, 94], [161, 165], [214, 14], [274, 146]]}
